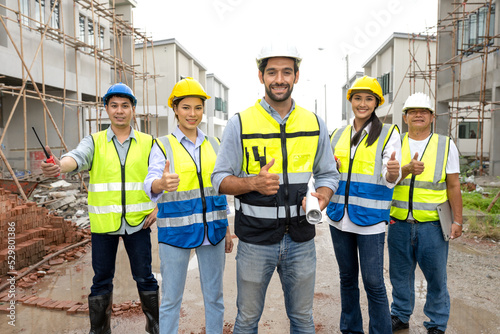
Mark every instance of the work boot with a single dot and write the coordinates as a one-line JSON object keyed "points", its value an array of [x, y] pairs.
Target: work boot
{"points": [[150, 306], [100, 313]]}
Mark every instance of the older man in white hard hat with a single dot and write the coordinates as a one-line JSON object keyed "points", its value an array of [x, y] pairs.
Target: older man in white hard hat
{"points": [[267, 155], [418, 234]]}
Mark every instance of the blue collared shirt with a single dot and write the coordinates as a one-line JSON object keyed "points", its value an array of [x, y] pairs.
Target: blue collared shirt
{"points": [[230, 157], [84, 155]]}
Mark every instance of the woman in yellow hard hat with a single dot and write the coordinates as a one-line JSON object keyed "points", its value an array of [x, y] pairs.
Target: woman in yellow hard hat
{"points": [[191, 215], [368, 154]]}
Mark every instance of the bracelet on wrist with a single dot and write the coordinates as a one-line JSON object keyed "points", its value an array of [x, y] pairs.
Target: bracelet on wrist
{"points": [[456, 223]]}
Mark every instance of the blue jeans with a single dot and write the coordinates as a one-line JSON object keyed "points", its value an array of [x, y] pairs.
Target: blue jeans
{"points": [[420, 243], [174, 267], [138, 247], [296, 265], [370, 248]]}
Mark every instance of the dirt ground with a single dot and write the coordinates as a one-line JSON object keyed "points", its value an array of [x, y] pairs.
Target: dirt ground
{"points": [[473, 281]]}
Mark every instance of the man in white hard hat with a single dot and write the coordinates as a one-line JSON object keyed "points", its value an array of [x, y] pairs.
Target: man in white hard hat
{"points": [[267, 155], [430, 177]]}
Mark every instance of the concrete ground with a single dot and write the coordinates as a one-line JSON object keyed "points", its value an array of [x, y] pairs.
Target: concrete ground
{"points": [[471, 311]]}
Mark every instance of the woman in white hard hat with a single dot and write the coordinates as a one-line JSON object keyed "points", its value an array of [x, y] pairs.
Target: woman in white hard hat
{"points": [[191, 215], [368, 154]]}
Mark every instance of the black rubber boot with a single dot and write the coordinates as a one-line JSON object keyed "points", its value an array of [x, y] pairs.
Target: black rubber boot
{"points": [[150, 306], [100, 313]]}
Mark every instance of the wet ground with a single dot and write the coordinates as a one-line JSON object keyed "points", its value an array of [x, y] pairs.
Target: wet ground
{"points": [[473, 275]]}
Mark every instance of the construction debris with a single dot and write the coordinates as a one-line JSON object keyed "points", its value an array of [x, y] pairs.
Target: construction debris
{"points": [[34, 232]]}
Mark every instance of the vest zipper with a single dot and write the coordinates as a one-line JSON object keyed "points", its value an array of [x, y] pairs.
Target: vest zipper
{"points": [[349, 172], [285, 175], [122, 169], [202, 191]]}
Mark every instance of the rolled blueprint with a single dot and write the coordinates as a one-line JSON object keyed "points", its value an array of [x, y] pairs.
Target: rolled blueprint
{"points": [[313, 213]]}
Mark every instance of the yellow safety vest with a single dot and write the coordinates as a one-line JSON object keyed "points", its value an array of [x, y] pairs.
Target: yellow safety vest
{"points": [[361, 187], [423, 193], [264, 219], [117, 191], [184, 213]]}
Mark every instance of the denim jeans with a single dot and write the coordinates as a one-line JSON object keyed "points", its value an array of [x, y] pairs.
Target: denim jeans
{"points": [[422, 244], [174, 267], [138, 247], [370, 248], [296, 265]]}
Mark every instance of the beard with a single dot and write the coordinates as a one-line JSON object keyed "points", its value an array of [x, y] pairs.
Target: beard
{"points": [[279, 98]]}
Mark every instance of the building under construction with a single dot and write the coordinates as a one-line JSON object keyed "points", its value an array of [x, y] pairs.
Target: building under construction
{"points": [[468, 79], [57, 59]]}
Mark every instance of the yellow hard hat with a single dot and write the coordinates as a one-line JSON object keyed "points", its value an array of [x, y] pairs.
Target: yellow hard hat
{"points": [[369, 84], [187, 87]]}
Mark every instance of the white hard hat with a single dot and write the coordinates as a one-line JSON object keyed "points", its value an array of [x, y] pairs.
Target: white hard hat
{"points": [[418, 101], [279, 49]]}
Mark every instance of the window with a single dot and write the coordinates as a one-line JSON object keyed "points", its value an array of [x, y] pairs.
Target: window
{"points": [[471, 31], [469, 130], [385, 83], [81, 23], [54, 19], [91, 32], [101, 38], [25, 11], [39, 12], [218, 103]]}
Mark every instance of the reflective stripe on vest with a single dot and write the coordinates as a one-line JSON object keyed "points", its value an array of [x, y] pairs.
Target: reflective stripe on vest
{"points": [[361, 187], [183, 214], [262, 219], [426, 191], [117, 191]]}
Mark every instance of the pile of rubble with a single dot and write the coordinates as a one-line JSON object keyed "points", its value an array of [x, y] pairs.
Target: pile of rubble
{"points": [[64, 198]]}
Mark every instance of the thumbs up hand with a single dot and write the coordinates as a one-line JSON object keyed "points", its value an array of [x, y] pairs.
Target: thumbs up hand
{"points": [[416, 167], [392, 168], [169, 181], [266, 183]]}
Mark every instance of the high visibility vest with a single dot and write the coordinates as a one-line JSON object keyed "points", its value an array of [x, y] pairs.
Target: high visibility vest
{"points": [[423, 193], [184, 214], [263, 219], [117, 191], [361, 187]]}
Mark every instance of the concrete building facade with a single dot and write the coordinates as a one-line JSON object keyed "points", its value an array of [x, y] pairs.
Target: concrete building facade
{"points": [[172, 63], [399, 57], [468, 78], [67, 48]]}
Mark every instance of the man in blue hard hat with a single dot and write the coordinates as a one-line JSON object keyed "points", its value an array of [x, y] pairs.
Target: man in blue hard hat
{"points": [[117, 161]]}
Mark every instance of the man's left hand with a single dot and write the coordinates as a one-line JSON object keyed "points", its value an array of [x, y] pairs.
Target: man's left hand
{"points": [[150, 219], [456, 231]]}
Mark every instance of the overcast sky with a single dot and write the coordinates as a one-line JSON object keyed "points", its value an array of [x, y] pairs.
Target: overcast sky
{"points": [[226, 35]]}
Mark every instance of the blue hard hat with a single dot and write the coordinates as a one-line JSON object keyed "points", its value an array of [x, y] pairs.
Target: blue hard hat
{"points": [[119, 89]]}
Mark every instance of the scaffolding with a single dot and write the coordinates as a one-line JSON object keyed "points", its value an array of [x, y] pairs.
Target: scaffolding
{"points": [[468, 49], [113, 58]]}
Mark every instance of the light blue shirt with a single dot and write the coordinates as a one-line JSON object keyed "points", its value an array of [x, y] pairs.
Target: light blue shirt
{"points": [[84, 155], [230, 157], [157, 160]]}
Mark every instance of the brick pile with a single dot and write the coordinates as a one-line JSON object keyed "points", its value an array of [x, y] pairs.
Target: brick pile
{"points": [[37, 232], [71, 307]]}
